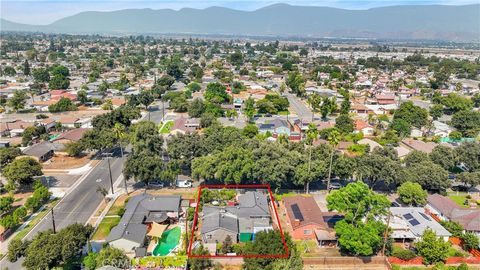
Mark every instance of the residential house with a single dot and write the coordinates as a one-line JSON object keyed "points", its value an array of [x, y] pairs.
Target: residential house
{"points": [[441, 129], [371, 143], [443, 208], [48, 123], [69, 122], [276, 127], [426, 147], [40, 151], [409, 223], [359, 108], [364, 127], [241, 221], [73, 135], [142, 214], [180, 127], [14, 128], [307, 221]]}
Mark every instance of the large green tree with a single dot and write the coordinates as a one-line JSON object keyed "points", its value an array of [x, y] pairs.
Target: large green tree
{"points": [[357, 201], [270, 242], [22, 170], [428, 174], [444, 156], [467, 122], [412, 194]]}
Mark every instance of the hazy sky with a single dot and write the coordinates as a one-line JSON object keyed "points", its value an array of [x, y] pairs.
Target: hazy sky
{"points": [[47, 11]]}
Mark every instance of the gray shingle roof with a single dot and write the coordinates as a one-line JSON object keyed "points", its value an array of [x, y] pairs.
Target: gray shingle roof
{"points": [[38, 150], [137, 210], [252, 204], [218, 219]]}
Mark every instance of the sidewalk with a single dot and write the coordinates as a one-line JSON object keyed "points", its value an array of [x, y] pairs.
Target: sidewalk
{"points": [[75, 171]]}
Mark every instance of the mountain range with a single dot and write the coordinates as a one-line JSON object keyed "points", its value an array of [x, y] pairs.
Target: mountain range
{"points": [[431, 22]]}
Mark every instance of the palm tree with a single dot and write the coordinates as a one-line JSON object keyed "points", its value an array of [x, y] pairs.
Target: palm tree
{"points": [[312, 134], [103, 191], [120, 135], [333, 140]]}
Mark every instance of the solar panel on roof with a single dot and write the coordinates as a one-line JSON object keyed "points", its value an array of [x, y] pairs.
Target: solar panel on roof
{"points": [[414, 222], [296, 212], [408, 216], [425, 216]]}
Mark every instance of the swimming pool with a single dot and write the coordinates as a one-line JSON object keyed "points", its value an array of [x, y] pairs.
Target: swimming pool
{"points": [[167, 242]]}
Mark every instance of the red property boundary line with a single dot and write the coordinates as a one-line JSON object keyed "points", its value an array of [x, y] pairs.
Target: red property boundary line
{"points": [[259, 256]]}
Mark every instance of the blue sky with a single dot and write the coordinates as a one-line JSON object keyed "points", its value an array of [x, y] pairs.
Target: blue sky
{"points": [[47, 11]]}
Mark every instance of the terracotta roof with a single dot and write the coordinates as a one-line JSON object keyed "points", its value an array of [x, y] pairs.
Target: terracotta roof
{"points": [[360, 124], [118, 101], [302, 210]]}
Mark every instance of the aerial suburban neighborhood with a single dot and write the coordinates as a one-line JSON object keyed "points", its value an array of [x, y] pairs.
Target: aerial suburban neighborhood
{"points": [[238, 152]]}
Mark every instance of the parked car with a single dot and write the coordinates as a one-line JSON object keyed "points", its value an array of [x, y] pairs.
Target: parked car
{"points": [[460, 188], [156, 184], [335, 185], [184, 183], [396, 204]]}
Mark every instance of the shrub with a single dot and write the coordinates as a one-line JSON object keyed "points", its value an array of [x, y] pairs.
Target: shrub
{"points": [[404, 254], [121, 211], [470, 241], [20, 213]]}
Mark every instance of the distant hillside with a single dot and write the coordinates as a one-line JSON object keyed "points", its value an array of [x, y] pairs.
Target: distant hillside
{"points": [[398, 22]]}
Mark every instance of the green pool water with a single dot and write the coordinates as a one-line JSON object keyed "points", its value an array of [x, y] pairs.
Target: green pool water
{"points": [[167, 242]]}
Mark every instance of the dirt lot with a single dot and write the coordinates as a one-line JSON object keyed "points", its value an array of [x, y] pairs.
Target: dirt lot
{"points": [[60, 162]]}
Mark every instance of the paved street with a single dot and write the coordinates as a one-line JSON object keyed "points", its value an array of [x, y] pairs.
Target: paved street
{"points": [[299, 107], [78, 205], [156, 112]]}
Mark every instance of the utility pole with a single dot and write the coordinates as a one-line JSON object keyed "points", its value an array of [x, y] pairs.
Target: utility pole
{"points": [[53, 222], [108, 155], [110, 174]]}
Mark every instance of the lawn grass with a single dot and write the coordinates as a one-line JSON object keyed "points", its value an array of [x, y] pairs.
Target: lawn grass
{"points": [[165, 129], [283, 113], [279, 197], [104, 227], [113, 211], [458, 198], [20, 235], [303, 246]]}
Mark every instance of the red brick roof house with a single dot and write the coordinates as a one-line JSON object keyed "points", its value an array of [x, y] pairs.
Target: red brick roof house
{"points": [[307, 220], [364, 127]]}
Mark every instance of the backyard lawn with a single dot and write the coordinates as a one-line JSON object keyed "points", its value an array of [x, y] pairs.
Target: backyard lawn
{"points": [[459, 198], [165, 129], [104, 227]]}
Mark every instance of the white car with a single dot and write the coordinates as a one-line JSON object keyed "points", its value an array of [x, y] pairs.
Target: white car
{"points": [[184, 183]]}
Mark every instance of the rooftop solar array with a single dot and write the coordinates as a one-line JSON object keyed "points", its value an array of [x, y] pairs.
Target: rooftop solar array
{"points": [[296, 212], [425, 216], [408, 216], [414, 222]]}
